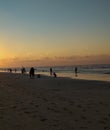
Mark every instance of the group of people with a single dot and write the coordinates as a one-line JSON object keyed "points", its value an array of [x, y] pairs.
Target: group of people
{"points": [[52, 73], [32, 72]]}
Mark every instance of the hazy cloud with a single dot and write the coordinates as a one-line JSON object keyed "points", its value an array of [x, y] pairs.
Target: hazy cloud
{"points": [[48, 61]]}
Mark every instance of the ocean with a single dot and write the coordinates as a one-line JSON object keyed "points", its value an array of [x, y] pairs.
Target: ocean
{"points": [[89, 72]]}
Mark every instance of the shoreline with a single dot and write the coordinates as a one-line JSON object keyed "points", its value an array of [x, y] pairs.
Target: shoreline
{"points": [[88, 77]]}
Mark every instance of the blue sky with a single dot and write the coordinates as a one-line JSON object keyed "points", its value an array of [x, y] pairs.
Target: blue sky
{"points": [[50, 26]]}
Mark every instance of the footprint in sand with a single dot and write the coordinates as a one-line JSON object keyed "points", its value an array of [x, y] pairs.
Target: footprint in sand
{"points": [[21, 102], [45, 99], [27, 112], [79, 106], [62, 99], [37, 106], [89, 122], [55, 125], [84, 110], [50, 108], [1, 117], [55, 110], [31, 103], [76, 120], [43, 119], [106, 105], [101, 103], [83, 117], [13, 107], [105, 127], [83, 127], [34, 116], [71, 103], [56, 120], [102, 122], [53, 104], [106, 119], [56, 89], [65, 109]]}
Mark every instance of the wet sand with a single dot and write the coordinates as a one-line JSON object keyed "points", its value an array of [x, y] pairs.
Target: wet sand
{"points": [[49, 103]]}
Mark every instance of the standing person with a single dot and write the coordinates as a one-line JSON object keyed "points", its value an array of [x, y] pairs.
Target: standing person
{"points": [[76, 71], [23, 70], [51, 71], [32, 72], [10, 70]]}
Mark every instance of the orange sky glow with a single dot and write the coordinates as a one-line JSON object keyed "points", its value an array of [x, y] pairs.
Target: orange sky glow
{"points": [[54, 33]]}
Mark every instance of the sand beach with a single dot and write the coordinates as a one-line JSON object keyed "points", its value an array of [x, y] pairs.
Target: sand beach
{"points": [[49, 103]]}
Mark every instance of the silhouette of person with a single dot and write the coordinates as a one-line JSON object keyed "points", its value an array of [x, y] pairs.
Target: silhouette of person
{"points": [[31, 72], [54, 74], [10, 70], [50, 71], [76, 71], [23, 70]]}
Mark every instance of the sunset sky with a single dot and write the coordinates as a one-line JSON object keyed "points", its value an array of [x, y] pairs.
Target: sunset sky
{"points": [[54, 32]]}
